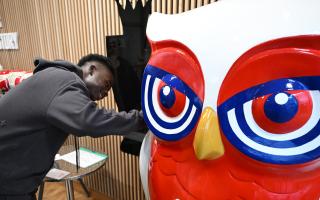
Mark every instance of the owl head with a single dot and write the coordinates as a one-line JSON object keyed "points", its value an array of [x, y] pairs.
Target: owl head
{"points": [[234, 79]]}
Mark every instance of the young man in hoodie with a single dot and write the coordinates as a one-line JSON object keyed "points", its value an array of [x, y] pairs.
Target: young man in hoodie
{"points": [[37, 116]]}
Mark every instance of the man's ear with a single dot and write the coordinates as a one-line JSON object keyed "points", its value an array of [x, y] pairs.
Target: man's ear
{"points": [[92, 68]]}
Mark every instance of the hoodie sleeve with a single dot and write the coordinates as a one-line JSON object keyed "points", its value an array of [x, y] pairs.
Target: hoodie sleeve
{"points": [[74, 112]]}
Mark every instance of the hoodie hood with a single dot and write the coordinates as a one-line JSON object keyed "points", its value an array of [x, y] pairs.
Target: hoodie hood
{"points": [[42, 64]]}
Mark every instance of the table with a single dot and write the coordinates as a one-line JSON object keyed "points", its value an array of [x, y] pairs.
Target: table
{"points": [[74, 174]]}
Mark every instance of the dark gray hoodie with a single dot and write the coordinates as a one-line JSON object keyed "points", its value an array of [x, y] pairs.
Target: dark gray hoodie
{"points": [[37, 116]]}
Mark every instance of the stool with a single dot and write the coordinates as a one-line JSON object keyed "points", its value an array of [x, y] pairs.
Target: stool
{"points": [[69, 189]]}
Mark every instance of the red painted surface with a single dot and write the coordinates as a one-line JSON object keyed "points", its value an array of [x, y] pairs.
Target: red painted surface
{"points": [[301, 117], [175, 172]]}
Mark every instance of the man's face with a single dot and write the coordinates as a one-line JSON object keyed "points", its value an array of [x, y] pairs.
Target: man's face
{"points": [[99, 80]]}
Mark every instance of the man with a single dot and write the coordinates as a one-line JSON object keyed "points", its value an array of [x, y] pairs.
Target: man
{"points": [[37, 116]]}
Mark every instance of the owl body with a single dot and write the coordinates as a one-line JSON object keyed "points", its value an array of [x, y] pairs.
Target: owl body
{"points": [[231, 97], [172, 177]]}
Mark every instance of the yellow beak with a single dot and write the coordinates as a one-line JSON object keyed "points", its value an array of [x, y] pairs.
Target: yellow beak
{"points": [[207, 142]]}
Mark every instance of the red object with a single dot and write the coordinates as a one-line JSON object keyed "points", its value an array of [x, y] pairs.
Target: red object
{"points": [[177, 59], [4, 84], [302, 116], [175, 172], [11, 78]]}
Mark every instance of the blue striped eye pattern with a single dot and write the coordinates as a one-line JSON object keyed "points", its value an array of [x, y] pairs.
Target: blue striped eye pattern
{"points": [[171, 109], [275, 122]]}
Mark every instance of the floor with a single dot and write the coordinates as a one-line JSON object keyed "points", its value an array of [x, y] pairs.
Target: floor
{"points": [[56, 191]]}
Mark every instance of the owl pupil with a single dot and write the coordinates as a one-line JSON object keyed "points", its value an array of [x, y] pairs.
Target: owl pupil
{"points": [[167, 96], [281, 107]]}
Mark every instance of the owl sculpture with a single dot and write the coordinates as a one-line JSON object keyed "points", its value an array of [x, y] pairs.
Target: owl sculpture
{"points": [[231, 95]]}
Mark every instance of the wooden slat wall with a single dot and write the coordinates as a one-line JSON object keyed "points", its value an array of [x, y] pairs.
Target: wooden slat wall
{"points": [[69, 29]]}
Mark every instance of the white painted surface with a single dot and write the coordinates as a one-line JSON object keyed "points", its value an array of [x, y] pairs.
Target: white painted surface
{"points": [[221, 32]]}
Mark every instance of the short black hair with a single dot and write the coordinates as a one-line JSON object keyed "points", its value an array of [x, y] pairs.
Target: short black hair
{"points": [[98, 58]]}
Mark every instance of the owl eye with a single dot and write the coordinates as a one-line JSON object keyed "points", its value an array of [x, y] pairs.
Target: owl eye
{"points": [[171, 101], [171, 108], [282, 112], [275, 122], [167, 96]]}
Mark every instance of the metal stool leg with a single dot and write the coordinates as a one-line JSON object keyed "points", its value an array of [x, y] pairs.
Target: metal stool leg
{"points": [[41, 188], [69, 189], [84, 187]]}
